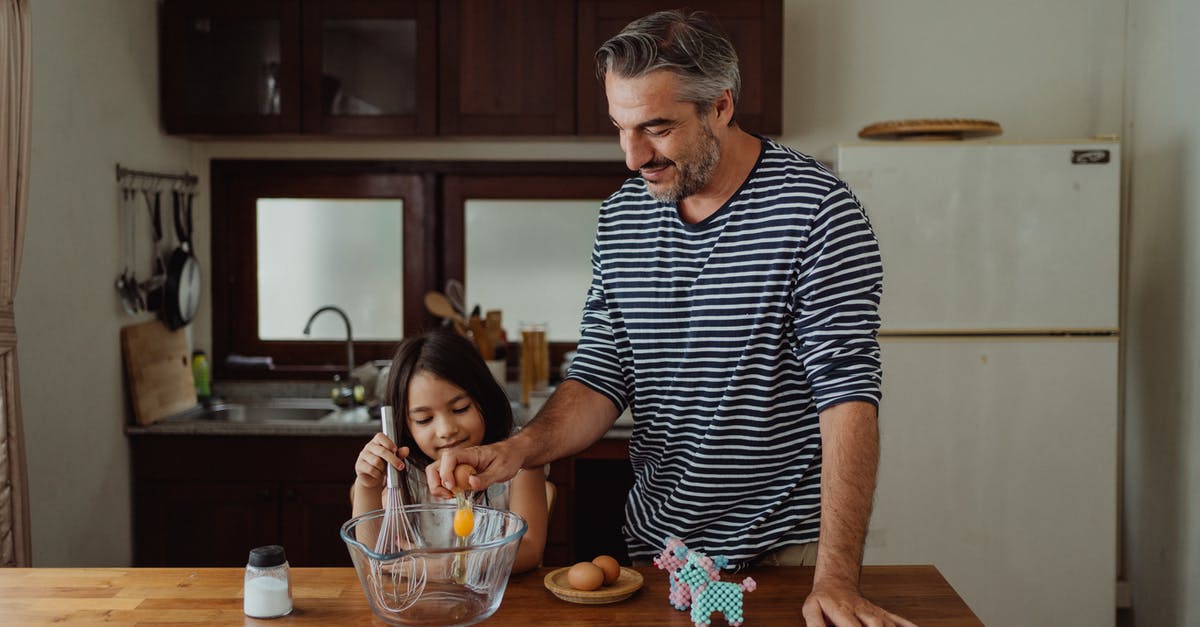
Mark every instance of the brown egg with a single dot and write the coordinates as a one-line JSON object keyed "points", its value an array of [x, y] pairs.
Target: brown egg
{"points": [[585, 576], [609, 565], [461, 473]]}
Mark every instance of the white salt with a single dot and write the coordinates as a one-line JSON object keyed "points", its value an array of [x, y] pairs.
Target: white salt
{"points": [[267, 597]]}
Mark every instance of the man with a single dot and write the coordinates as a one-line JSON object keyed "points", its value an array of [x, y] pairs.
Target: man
{"points": [[733, 306]]}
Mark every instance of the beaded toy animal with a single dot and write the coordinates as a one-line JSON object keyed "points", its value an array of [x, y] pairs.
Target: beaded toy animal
{"points": [[671, 559], [673, 556], [708, 595]]}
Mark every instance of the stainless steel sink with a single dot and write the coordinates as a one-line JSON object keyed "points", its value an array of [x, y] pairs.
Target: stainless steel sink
{"points": [[276, 411]]}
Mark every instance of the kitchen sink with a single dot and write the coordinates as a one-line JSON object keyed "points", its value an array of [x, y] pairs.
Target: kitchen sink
{"points": [[277, 411]]}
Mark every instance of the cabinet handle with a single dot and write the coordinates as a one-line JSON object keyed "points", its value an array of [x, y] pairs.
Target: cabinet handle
{"points": [[289, 495], [264, 494]]}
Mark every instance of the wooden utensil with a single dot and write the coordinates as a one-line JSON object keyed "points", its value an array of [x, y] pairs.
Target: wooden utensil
{"points": [[158, 370], [493, 326], [479, 335], [437, 304]]}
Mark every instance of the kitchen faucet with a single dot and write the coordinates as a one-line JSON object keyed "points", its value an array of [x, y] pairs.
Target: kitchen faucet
{"points": [[344, 392]]}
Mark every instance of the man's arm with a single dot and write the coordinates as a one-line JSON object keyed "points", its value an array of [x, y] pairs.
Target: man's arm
{"points": [[573, 418], [849, 460]]}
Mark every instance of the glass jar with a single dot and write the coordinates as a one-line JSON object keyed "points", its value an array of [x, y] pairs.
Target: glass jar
{"points": [[268, 591]]}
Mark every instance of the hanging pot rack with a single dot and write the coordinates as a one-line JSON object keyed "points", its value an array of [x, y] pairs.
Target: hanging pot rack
{"points": [[148, 179], [172, 290]]}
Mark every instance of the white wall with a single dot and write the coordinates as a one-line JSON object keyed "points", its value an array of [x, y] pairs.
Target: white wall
{"points": [[1041, 69], [1162, 439], [95, 103]]}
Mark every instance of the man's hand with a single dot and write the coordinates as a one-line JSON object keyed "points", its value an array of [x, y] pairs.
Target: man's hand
{"points": [[572, 419], [832, 604], [492, 463]]}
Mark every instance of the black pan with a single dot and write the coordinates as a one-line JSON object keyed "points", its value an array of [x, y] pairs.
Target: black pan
{"points": [[181, 292]]}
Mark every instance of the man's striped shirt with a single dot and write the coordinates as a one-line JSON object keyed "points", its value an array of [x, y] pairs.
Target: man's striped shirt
{"points": [[726, 338]]}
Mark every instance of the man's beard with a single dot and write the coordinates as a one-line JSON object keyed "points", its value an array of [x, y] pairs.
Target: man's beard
{"points": [[694, 171]]}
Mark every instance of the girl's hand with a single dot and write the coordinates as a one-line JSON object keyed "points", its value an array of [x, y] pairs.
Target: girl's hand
{"points": [[372, 462]]}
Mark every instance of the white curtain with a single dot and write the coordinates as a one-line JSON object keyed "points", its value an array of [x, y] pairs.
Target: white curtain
{"points": [[15, 52]]}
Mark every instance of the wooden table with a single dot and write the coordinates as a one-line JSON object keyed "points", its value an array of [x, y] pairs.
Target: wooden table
{"points": [[332, 596]]}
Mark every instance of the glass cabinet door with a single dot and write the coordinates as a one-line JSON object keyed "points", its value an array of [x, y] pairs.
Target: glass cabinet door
{"points": [[369, 67], [230, 67]]}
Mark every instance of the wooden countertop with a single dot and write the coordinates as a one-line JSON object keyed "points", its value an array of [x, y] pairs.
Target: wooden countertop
{"points": [[332, 596]]}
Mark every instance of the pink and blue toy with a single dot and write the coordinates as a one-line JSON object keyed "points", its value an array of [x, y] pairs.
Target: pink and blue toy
{"points": [[671, 559], [700, 573], [695, 583]]}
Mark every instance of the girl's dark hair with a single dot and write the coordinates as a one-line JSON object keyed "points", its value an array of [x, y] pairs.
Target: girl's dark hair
{"points": [[451, 357]]}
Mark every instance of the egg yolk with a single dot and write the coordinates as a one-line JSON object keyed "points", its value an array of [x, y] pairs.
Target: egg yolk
{"points": [[464, 522]]}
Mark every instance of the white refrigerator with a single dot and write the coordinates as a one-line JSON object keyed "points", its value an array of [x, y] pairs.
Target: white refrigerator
{"points": [[1000, 337]]}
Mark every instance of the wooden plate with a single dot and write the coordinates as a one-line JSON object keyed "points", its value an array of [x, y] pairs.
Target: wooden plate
{"points": [[628, 582], [947, 128]]}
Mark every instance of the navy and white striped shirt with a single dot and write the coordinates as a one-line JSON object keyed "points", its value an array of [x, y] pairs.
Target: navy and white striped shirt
{"points": [[726, 338]]}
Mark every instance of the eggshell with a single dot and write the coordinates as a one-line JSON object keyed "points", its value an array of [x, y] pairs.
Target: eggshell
{"points": [[461, 473], [585, 576], [609, 565]]}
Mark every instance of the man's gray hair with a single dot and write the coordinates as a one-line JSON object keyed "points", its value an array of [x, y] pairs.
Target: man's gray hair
{"points": [[690, 44]]}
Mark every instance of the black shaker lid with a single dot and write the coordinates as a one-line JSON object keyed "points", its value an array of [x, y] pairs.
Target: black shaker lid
{"points": [[266, 556]]}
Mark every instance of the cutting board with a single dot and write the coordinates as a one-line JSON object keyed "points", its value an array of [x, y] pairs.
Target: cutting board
{"points": [[158, 371]]}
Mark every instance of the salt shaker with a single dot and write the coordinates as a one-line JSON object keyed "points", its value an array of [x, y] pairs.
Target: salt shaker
{"points": [[268, 584]]}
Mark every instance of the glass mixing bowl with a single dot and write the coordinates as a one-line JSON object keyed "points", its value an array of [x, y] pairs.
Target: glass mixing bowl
{"points": [[464, 579]]}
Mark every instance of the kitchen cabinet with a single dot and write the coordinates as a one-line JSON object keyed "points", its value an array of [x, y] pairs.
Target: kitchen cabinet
{"points": [[336, 67], [230, 66], [206, 500], [423, 67], [507, 68], [203, 500], [369, 67], [210, 523], [754, 27], [590, 507]]}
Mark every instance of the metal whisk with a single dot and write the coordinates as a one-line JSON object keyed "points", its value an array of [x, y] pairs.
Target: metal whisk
{"points": [[398, 581]]}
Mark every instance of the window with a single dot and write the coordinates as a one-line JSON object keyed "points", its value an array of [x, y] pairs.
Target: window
{"points": [[373, 237], [350, 253], [523, 244], [290, 238]]}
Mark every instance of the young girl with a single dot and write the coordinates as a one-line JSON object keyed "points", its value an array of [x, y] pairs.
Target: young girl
{"points": [[445, 398]]}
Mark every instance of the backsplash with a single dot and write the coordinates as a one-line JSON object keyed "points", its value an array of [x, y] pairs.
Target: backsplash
{"points": [[244, 390]]}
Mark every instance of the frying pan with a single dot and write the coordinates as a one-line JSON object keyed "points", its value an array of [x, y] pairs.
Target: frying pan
{"points": [[181, 292]]}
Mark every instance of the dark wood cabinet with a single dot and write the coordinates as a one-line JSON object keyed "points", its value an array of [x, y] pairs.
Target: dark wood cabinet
{"points": [[423, 67], [310, 511], [755, 28], [210, 523], [369, 67], [230, 66], [507, 67], [207, 500], [589, 510], [285, 67]]}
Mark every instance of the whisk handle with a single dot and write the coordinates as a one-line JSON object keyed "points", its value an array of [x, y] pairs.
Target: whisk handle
{"points": [[388, 418]]}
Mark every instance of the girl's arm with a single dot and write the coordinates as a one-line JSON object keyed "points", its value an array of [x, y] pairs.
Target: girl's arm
{"points": [[527, 499]]}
